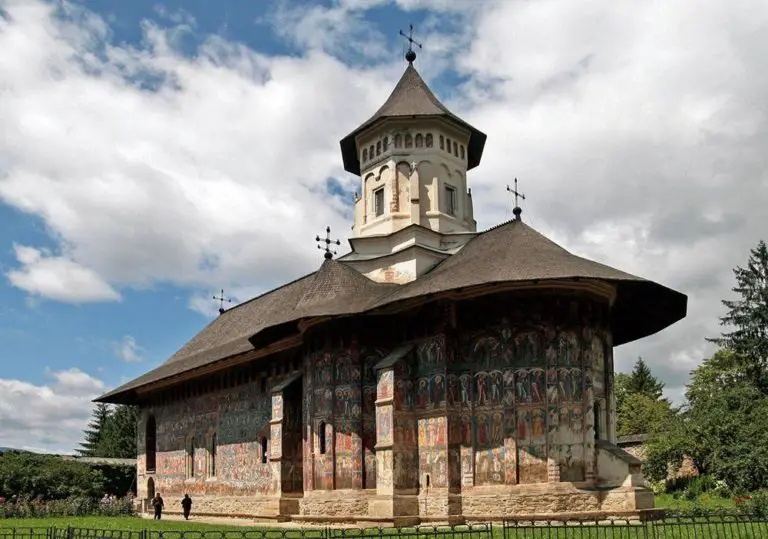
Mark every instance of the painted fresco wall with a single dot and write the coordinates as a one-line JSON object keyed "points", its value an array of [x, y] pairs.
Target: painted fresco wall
{"points": [[239, 416], [525, 391], [340, 399]]}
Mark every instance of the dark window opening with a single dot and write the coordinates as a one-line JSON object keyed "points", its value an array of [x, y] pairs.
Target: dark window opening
{"points": [[322, 438], [263, 450], [213, 455], [596, 411], [428, 141], [150, 450], [450, 200], [378, 201]]}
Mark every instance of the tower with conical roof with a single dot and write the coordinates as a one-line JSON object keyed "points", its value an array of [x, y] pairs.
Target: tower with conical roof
{"points": [[414, 208]]}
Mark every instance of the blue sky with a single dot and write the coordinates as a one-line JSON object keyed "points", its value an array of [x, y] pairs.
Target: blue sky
{"points": [[153, 152]]}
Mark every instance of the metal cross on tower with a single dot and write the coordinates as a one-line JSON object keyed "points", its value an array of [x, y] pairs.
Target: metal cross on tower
{"points": [[221, 300], [410, 55], [516, 210], [328, 242]]}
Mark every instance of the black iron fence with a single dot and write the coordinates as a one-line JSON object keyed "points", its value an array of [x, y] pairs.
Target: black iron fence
{"points": [[725, 526]]}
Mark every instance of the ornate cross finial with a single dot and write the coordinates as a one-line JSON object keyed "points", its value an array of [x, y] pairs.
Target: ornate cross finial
{"points": [[410, 55], [517, 211], [221, 300], [414, 164], [328, 242]]}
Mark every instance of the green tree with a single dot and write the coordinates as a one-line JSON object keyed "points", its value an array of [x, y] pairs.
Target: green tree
{"points": [[643, 382], [639, 404], [747, 318], [31, 475], [640, 414], [118, 438], [93, 433], [720, 372]]}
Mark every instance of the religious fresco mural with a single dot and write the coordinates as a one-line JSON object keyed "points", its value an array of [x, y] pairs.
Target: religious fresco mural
{"points": [[524, 387], [240, 417]]}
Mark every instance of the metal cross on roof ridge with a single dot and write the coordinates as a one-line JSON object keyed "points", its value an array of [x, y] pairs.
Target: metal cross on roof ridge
{"points": [[411, 54], [516, 210], [222, 299], [328, 242]]}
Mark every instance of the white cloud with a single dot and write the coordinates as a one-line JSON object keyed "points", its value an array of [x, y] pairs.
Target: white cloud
{"points": [[49, 417], [128, 350], [58, 278]]}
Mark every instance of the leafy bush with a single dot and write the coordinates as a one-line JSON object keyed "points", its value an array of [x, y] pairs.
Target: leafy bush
{"points": [[755, 504], [75, 506], [47, 477]]}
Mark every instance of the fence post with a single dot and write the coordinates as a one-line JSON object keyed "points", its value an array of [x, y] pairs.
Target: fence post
{"points": [[70, 531]]}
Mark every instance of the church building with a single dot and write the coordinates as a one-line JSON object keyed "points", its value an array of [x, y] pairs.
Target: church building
{"points": [[432, 374]]}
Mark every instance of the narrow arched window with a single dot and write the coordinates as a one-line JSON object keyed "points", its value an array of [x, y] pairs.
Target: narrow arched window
{"points": [[442, 142], [448, 145], [398, 141], [596, 420], [378, 148], [370, 151], [213, 455], [322, 437], [365, 155], [150, 449], [419, 141], [191, 457], [428, 142], [264, 449], [455, 148], [461, 151], [385, 140], [408, 141]]}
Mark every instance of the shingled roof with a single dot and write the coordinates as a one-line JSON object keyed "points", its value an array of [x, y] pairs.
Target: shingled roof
{"points": [[515, 252], [511, 252], [411, 98]]}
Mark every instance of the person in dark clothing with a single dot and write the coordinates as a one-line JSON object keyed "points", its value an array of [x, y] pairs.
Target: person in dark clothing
{"points": [[186, 505], [157, 503]]}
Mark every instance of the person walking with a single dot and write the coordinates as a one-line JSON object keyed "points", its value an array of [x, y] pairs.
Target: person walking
{"points": [[157, 503], [186, 506]]}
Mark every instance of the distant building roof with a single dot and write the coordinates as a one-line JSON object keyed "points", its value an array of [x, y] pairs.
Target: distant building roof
{"points": [[102, 460], [633, 439]]}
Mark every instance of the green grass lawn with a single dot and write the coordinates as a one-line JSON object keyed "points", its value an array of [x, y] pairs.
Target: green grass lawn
{"points": [[112, 523], [709, 501]]}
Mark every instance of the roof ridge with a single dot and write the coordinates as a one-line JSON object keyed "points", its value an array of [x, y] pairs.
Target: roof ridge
{"points": [[268, 292]]}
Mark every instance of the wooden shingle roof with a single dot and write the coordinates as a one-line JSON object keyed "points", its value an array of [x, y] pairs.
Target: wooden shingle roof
{"points": [[411, 98], [509, 253]]}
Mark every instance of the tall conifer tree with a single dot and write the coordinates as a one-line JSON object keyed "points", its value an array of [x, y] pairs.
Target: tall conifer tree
{"points": [[95, 431], [747, 318]]}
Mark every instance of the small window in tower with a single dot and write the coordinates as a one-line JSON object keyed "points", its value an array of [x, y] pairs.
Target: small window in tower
{"points": [[321, 435], [378, 148], [408, 141], [450, 200], [455, 149], [461, 151], [428, 140], [398, 141], [419, 141], [264, 450], [378, 201], [386, 143], [442, 142], [365, 155], [370, 151], [448, 144]]}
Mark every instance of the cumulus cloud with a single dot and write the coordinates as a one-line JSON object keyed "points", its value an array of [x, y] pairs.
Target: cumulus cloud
{"points": [[49, 417], [128, 350], [58, 278], [638, 132]]}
